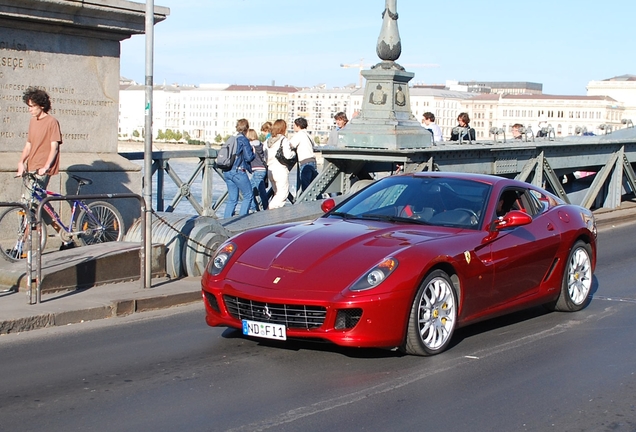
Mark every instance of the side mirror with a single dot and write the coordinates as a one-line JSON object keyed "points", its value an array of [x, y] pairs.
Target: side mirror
{"points": [[327, 205], [511, 219]]}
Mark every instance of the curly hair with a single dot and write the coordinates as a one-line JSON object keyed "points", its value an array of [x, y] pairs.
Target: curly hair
{"points": [[38, 97]]}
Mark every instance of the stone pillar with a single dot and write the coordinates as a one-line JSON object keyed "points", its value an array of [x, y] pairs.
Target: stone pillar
{"points": [[385, 120], [71, 49]]}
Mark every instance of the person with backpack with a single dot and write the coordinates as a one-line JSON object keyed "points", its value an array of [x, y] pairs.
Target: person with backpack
{"points": [[236, 177]]}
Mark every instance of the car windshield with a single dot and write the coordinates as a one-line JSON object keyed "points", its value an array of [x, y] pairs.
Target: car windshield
{"points": [[419, 199]]}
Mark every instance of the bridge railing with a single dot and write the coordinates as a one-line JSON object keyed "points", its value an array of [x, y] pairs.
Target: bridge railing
{"points": [[162, 167], [205, 169]]}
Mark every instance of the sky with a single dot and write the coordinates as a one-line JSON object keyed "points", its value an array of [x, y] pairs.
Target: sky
{"points": [[562, 44]]}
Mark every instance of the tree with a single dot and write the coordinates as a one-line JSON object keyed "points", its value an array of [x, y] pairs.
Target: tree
{"points": [[317, 140], [218, 138], [135, 133], [160, 135]]}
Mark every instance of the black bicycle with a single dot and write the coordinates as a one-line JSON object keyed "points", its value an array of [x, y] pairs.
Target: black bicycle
{"points": [[95, 222]]}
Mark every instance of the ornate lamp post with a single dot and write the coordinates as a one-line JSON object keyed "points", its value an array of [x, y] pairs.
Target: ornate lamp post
{"points": [[389, 45], [385, 120]]}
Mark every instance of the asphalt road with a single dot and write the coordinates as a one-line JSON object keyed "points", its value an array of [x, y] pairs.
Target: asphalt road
{"points": [[168, 371]]}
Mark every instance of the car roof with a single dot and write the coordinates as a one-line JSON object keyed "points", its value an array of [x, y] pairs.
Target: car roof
{"points": [[482, 178]]}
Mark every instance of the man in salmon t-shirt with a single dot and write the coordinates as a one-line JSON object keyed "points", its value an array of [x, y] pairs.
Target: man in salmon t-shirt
{"points": [[41, 152]]}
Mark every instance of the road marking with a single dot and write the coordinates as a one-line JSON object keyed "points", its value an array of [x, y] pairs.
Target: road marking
{"points": [[622, 300], [351, 398]]}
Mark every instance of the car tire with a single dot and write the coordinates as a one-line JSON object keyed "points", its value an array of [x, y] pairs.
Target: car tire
{"points": [[433, 316], [577, 280]]}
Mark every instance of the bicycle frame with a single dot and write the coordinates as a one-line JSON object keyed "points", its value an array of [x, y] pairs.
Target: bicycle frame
{"points": [[38, 194]]}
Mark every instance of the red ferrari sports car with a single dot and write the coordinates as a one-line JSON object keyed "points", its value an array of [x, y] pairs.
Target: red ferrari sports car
{"points": [[404, 262]]}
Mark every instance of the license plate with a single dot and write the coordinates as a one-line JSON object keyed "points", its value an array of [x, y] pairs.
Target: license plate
{"points": [[264, 330]]}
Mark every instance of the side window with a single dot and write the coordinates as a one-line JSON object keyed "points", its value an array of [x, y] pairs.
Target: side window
{"points": [[541, 202], [508, 200], [525, 200], [530, 203]]}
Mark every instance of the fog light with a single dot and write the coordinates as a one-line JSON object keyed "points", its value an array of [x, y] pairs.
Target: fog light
{"points": [[347, 318]]}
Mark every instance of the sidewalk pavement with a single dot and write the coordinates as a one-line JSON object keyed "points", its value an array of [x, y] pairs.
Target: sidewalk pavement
{"points": [[105, 301], [125, 298]]}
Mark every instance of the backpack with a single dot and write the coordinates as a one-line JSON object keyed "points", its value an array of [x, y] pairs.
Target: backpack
{"points": [[226, 156]]}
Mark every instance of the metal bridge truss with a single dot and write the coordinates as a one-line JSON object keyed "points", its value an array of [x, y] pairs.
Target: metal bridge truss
{"points": [[544, 163], [558, 166]]}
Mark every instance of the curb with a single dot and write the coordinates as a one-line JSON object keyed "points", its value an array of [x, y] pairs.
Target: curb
{"points": [[115, 309]]}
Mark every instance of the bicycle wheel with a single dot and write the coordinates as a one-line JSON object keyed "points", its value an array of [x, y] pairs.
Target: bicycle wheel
{"points": [[14, 229], [102, 223]]}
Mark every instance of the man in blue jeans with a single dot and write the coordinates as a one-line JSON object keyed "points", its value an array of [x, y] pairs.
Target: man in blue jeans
{"points": [[303, 145], [237, 178]]}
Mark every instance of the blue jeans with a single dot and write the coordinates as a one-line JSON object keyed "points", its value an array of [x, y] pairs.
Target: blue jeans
{"points": [[258, 183], [237, 180], [308, 173]]}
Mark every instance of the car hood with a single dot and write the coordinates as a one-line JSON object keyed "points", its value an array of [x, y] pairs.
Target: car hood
{"points": [[326, 254]]}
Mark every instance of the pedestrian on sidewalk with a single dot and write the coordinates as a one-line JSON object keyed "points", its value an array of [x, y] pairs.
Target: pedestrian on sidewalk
{"points": [[302, 143], [278, 173], [341, 121], [429, 123], [259, 171], [266, 129], [236, 178]]}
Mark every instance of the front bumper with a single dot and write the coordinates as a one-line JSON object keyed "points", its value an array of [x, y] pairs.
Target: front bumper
{"points": [[313, 315]]}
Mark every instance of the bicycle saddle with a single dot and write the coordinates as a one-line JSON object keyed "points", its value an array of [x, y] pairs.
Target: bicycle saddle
{"points": [[81, 180]]}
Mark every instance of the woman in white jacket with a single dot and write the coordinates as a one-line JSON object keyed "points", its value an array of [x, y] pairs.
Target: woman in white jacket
{"points": [[278, 173]]}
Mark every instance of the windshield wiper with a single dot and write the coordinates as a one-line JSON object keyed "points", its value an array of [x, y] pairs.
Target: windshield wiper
{"points": [[389, 218], [342, 215]]}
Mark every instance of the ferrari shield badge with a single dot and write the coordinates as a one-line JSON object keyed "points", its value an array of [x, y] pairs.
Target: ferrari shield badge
{"points": [[467, 256]]}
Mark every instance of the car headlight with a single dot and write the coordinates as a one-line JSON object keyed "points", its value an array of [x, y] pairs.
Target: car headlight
{"points": [[221, 258], [376, 275]]}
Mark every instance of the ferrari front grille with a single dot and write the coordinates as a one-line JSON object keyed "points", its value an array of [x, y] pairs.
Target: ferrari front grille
{"points": [[291, 316]]}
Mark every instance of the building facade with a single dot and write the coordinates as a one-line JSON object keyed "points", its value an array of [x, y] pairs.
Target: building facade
{"points": [[205, 113], [622, 88], [209, 112], [568, 115], [319, 105]]}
